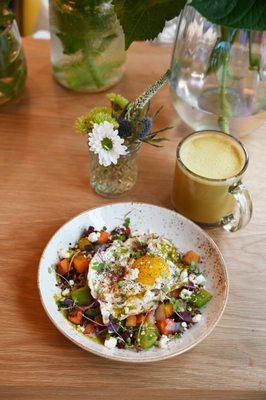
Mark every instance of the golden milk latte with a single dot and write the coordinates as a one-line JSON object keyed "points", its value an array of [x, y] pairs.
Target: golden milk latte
{"points": [[208, 163]]}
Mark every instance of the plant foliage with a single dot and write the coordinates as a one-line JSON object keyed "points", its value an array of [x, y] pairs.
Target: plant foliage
{"points": [[6, 16], [145, 19]]}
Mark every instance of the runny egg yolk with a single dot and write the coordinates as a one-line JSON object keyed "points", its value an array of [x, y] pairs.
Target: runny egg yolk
{"points": [[150, 268]]}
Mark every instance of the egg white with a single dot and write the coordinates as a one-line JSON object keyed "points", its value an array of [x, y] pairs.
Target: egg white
{"points": [[129, 296]]}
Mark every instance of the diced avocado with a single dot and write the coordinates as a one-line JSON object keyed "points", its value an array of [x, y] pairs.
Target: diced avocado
{"points": [[147, 336], [84, 241], [81, 296], [200, 298]]}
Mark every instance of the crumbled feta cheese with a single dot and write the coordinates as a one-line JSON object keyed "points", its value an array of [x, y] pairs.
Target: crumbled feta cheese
{"points": [[110, 343], [197, 318], [192, 277], [158, 283], [184, 324], [65, 292], [136, 233], [174, 268], [163, 342], [185, 294], [105, 315], [64, 253], [94, 236], [71, 282], [80, 328], [133, 274], [184, 275], [148, 297], [200, 280]]}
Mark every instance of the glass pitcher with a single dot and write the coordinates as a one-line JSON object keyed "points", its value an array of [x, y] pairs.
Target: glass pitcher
{"points": [[218, 75]]}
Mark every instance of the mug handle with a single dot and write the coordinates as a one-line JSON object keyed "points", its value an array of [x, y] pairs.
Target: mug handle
{"points": [[241, 217]]}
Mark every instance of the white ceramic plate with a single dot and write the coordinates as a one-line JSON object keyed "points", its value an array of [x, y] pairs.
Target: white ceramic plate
{"points": [[185, 234]]}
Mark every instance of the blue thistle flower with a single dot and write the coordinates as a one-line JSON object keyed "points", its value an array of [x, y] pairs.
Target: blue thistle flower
{"points": [[124, 129], [145, 125]]}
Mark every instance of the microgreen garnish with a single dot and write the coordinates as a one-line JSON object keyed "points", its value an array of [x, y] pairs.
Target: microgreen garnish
{"points": [[126, 223], [177, 304], [99, 267], [194, 267], [137, 254], [51, 268]]}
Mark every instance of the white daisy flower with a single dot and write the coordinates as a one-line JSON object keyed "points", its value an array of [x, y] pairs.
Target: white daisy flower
{"points": [[105, 141]]}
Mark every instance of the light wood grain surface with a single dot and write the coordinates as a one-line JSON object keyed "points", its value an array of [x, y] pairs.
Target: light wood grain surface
{"points": [[44, 182]]}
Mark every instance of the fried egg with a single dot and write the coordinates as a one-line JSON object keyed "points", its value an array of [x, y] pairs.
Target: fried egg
{"points": [[131, 277]]}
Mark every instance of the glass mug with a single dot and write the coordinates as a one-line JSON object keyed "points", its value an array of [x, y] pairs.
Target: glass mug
{"points": [[207, 184]]}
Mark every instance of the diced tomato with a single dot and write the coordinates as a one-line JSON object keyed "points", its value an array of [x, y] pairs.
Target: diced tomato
{"points": [[140, 319], [63, 267], [160, 313], [98, 319], [75, 317], [168, 326], [127, 231], [168, 309], [175, 292], [191, 256], [104, 237], [131, 321], [81, 263], [89, 328]]}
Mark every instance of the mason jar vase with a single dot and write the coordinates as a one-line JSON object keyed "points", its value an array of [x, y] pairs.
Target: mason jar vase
{"points": [[87, 45], [13, 70], [116, 179]]}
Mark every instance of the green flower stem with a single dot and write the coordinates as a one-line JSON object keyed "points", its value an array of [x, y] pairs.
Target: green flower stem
{"points": [[225, 107], [224, 104], [97, 79], [254, 60]]}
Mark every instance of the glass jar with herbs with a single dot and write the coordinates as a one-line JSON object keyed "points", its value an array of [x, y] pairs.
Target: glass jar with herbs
{"points": [[13, 69], [87, 44]]}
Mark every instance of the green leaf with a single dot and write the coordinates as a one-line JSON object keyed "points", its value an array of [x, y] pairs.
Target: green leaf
{"points": [[239, 14], [145, 19]]}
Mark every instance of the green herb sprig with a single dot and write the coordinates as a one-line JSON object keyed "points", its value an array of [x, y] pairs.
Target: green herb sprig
{"points": [[6, 16]]}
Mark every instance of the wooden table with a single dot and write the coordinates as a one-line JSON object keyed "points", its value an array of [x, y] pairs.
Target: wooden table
{"points": [[44, 182]]}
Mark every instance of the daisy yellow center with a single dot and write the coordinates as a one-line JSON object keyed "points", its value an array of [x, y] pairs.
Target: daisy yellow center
{"points": [[107, 144]]}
